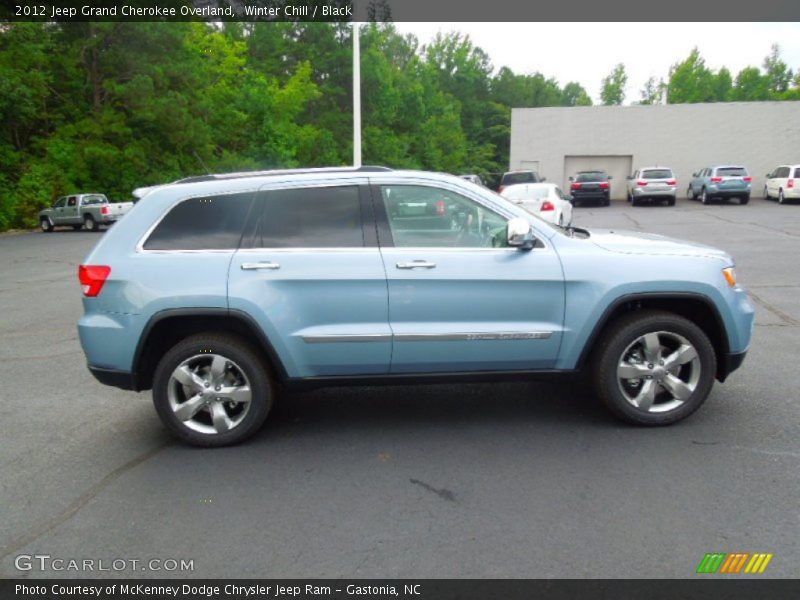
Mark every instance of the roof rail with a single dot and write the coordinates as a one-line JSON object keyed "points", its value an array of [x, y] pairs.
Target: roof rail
{"points": [[243, 174]]}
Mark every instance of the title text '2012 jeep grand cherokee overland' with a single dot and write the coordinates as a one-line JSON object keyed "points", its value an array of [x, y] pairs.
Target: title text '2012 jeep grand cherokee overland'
{"points": [[214, 292]]}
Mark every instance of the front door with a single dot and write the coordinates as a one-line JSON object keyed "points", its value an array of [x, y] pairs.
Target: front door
{"points": [[311, 274], [70, 215], [459, 299]]}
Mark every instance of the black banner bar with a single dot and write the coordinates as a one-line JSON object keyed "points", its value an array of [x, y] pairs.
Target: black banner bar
{"points": [[733, 588], [398, 10]]}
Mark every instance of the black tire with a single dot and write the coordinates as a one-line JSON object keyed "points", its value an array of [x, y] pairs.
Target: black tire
{"points": [[744, 199], [634, 201], [611, 350], [77, 227], [607, 202], [704, 197], [781, 198], [671, 202], [240, 353], [46, 225], [690, 194], [766, 193], [89, 224]]}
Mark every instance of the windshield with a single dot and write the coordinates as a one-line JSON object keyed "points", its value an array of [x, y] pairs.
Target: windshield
{"points": [[657, 174], [521, 177], [592, 176], [731, 171]]}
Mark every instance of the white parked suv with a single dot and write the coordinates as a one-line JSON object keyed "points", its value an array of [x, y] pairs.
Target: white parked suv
{"points": [[783, 183]]}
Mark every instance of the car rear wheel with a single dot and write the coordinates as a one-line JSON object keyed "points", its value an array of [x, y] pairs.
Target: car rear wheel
{"points": [[704, 197], [46, 225], [781, 199], [744, 199], [654, 368], [671, 202], [89, 224], [212, 390]]}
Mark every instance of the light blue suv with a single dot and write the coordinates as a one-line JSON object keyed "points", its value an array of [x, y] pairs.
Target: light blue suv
{"points": [[217, 292], [723, 182]]}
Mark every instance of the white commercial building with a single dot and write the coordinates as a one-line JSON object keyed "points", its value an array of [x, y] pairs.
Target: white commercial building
{"points": [[559, 141]]}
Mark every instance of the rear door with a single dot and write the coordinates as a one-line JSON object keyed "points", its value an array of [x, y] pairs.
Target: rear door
{"points": [[459, 300], [310, 273]]}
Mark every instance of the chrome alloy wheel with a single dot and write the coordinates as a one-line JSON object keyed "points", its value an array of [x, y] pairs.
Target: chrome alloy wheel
{"points": [[658, 371], [209, 393]]}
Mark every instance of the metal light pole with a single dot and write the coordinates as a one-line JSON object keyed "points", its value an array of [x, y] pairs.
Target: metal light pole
{"points": [[356, 97]]}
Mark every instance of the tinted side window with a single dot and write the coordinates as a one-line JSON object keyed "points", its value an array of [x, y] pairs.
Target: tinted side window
{"points": [[211, 223], [72, 201], [321, 217], [797, 172], [784, 172]]}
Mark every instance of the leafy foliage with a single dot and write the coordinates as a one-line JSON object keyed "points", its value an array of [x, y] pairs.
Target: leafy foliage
{"points": [[109, 107]]}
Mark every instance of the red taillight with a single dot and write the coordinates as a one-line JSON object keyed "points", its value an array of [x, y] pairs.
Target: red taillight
{"points": [[641, 183], [790, 184], [440, 207], [716, 179], [575, 186], [104, 210], [500, 189], [92, 278], [604, 185], [672, 182], [748, 178], [546, 206]]}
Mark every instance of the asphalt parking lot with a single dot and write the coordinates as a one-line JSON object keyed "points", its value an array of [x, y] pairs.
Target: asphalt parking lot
{"points": [[486, 480]]}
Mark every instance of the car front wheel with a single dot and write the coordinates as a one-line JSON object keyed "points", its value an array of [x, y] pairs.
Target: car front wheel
{"points": [[212, 390], [654, 368], [47, 226]]}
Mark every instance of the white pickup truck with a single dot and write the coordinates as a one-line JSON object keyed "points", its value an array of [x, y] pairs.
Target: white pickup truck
{"points": [[87, 211]]}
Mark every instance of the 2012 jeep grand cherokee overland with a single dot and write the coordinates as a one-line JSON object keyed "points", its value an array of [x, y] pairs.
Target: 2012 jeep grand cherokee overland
{"points": [[216, 292]]}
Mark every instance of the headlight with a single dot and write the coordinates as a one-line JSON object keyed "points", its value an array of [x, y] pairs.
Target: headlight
{"points": [[730, 276]]}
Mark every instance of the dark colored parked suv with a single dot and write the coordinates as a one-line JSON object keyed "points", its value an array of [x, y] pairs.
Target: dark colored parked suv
{"points": [[590, 186]]}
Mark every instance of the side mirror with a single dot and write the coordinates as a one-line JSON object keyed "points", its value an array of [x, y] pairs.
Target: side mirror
{"points": [[568, 197], [520, 234], [629, 177], [572, 179], [544, 178], [768, 175], [610, 178]]}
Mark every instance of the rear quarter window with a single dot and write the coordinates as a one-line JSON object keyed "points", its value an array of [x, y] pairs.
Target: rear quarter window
{"points": [[207, 223], [797, 172]]}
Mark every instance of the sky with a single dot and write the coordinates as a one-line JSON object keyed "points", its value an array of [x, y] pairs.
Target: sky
{"points": [[587, 52]]}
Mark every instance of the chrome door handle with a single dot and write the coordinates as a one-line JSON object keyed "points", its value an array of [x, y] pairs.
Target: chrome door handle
{"points": [[260, 265], [421, 264]]}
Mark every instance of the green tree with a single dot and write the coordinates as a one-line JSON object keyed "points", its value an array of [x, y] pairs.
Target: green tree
{"points": [[652, 91], [574, 94], [778, 74], [612, 91], [751, 85], [691, 81]]}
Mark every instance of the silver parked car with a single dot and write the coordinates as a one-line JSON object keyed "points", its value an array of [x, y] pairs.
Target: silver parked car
{"points": [[87, 211], [653, 184]]}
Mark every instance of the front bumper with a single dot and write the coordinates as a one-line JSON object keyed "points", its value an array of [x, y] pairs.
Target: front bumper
{"points": [[120, 379]]}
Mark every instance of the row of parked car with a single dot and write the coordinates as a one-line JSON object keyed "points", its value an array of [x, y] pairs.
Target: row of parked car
{"points": [[645, 185]]}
